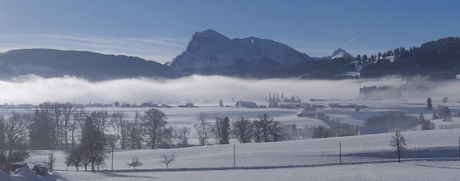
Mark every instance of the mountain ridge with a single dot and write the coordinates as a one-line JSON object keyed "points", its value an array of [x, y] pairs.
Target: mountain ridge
{"points": [[210, 52], [85, 64]]}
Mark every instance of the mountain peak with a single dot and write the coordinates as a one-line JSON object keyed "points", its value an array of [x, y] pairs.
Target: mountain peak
{"points": [[340, 53], [210, 50], [208, 34]]}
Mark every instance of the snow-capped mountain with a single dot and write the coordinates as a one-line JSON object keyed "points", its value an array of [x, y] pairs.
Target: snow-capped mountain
{"points": [[339, 53], [211, 52]]}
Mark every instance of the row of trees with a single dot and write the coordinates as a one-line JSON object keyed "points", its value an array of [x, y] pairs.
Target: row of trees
{"points": [[265, 129], [61, 126]]}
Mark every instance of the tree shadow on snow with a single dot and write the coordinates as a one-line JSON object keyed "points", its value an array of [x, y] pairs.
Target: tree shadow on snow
{"points": [[432, 166], [423, 153], [115, 174]]}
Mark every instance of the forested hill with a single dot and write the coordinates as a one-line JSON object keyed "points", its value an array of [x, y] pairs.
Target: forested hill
{"points": [[440, 59], [83, 64]]}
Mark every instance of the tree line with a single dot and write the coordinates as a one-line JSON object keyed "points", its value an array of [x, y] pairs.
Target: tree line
{"points": [[60, 126]]}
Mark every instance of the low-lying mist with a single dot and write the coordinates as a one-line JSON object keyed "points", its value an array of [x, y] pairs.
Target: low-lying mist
{"points": [[34, 90]]}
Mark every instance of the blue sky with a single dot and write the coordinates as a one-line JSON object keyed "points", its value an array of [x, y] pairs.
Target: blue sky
{"points": [[160, 30]]}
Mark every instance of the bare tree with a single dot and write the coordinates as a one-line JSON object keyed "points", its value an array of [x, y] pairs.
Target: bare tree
{"points": [[76, 157], [279, 131], [135, 163], [168, 159], [203, 129], [78, 122], [2, 139], [16, 128], [135, 131], [56, 113], [167, 137], [100, 120], [119, 122], [182, 137], [265, 122], [155, 121], [399, 142], [242, 129], [67, 112], [321, 132], [257, 131], [50, 162]]}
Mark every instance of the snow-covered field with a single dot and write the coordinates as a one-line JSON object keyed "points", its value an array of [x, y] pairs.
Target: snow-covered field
{"points": [[431, 155]]}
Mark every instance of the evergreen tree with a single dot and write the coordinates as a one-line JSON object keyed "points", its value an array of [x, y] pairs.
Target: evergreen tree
{"points": [[364, 57], [429, 105], [40, 134], [222, 130], [358, 57], [294, 130], [421, 117], [221, 104], [2, 139], [93, 143]]}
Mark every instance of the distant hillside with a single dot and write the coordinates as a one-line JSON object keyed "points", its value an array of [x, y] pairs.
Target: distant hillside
{"points": [[440, 59], [88, 65], [210, 52]]}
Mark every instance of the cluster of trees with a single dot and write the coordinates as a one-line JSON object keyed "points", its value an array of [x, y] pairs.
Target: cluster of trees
{"points": [[59, 126], [13, 136], [265, 129], [372, 89], [275, 98], [441, 112], [395, 120], [437, 59], [336, 128]]}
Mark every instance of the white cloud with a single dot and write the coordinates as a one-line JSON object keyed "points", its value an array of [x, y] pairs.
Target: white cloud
{"points": [[157, 49], [352, 40]]}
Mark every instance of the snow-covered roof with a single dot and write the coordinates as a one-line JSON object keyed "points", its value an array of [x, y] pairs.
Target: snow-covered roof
{"points": [[307, 112]]}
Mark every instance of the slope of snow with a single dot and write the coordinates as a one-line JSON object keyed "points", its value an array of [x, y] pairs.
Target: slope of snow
{"points": [[25, 174], [417, 170], [340, 53], [371, 153], [212, 49], [5, 176]]}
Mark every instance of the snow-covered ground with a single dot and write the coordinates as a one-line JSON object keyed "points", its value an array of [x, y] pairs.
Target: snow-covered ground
{"points": [[430, 155]]}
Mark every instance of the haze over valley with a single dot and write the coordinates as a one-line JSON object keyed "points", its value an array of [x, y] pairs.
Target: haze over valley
{"points": [[237, 90]]}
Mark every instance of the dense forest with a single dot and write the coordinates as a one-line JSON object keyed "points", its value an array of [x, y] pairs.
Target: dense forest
{"points": [[439, 59]]}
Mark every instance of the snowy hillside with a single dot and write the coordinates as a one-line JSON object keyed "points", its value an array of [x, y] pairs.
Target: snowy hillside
{"points": [[210, 49], [363, 158]]}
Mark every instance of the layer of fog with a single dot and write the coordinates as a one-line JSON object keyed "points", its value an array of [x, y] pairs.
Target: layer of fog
{"points": [[34, 90]]}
